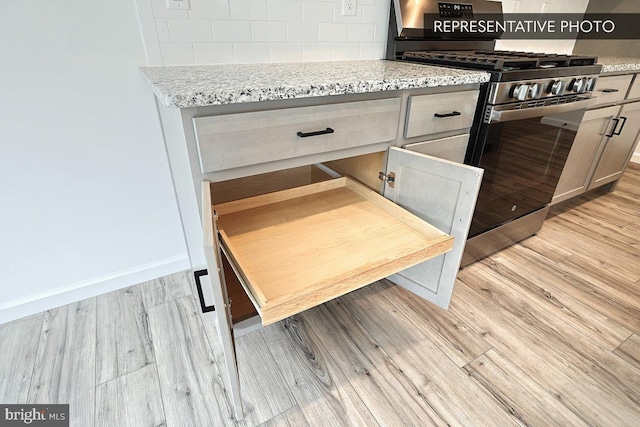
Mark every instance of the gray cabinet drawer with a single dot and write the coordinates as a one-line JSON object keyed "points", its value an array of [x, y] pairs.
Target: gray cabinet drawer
{"points": [[453, 148], [237, 140], [634, 93], [429, 114], [612, 88]]}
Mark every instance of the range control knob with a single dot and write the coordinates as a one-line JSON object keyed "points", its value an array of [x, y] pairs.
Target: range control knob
{"points": [[535, 90], [556, 87], [520, 91], [579, 85], [591, 84]]}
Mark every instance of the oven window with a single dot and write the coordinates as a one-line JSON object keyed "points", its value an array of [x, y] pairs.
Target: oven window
{"points": [[523, 160]]}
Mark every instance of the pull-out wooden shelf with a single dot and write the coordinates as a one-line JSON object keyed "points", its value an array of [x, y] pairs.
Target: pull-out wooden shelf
{"points": [[297, 248]]}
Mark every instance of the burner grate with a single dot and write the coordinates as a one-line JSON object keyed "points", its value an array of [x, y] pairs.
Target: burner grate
{"points": [[499, 59]]}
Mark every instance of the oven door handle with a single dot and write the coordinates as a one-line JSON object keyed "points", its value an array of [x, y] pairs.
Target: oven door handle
{"points": [[498, 116]]}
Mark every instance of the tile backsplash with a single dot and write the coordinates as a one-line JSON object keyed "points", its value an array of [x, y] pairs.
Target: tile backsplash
{"points": [[239, 31]]}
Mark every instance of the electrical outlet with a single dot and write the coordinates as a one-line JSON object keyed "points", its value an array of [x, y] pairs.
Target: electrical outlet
{"points": [[348, 7], [178, 4]]}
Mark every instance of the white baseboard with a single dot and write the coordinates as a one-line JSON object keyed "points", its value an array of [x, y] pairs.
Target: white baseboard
{"points": [[32, 304], [636, 157]]}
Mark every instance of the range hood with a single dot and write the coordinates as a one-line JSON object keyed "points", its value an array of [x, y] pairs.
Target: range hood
{"points": [[407, 24]]}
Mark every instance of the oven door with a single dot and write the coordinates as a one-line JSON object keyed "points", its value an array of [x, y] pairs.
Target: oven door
{"points": [[523, 153]]}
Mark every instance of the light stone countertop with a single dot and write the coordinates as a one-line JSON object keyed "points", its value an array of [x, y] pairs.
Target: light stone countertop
{"points": [[612, 64], [201, 85]]}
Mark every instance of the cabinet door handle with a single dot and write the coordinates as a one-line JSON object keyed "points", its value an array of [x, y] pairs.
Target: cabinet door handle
{"points": [[451, 114], [197, 275], [610, 90], [318, 132], [613, 129], [624, 121]]}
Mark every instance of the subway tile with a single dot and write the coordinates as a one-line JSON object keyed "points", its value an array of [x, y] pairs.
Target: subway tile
{"points": [[213, 53], [160, 10], [177, 53], [346, 51], [251, 52], [333, 32], [162, 29], [372, 50], [231, 31], [317, 51], [381, 32], [288, 11], [361, 32], [375, 14], [317, 12], [268, 32], [190, 30], [286, 52], [254, 10], [302, 32], [209, 9]]}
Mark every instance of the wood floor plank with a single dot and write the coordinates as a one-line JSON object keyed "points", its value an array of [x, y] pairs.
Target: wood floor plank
{"points": [[460, 343], [610, 255], [192, 392], [132, 400], [123, 339], [291, 418], [448, 390], [537, 356], [18, 346], [529, 402], [264, 392], [539, 279], [65, 361], [630, 350], [378, 380], [166, 288], [575, 347], [324, 395]]}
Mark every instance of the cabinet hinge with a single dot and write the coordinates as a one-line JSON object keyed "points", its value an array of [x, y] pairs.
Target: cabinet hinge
{"points": [[390, 178]]}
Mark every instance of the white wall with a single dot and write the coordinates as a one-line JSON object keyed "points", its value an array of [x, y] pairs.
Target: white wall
{"points": [[87, 203]]}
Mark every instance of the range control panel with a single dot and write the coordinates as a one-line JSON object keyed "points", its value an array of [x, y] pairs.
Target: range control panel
{"points": [[455, 10]]}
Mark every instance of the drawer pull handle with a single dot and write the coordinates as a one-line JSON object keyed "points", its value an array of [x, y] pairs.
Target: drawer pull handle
{"points": [[318, 132], [610, 90], [203, 306], [613, 130], [451, 114], [624, 122]]}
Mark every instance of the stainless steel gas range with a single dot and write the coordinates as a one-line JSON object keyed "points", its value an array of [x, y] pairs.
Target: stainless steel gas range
{"points": [[525, 123]]}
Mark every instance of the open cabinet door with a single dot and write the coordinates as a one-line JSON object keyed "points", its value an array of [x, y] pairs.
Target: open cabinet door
{"points": [[215, 279], [444, 194]]}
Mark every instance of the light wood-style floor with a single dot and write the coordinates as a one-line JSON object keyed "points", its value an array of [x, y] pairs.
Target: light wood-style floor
{"points": [[544, 333]]}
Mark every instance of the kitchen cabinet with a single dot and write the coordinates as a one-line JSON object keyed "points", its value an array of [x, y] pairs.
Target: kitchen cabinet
{"points": [[304, 200], [605, 140], [294, 186], [618, 148], [438, 125]]}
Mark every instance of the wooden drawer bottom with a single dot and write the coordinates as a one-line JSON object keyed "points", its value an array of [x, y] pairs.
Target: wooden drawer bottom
{"points": [[298, 248]]}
